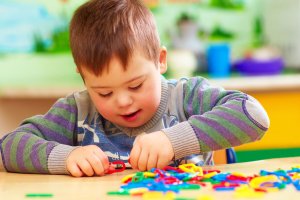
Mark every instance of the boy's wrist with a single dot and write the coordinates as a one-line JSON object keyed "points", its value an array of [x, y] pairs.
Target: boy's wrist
{"points": [[57, 159], [183, 140]]}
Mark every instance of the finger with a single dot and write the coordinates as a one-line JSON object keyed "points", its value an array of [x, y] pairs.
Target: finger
{"points": [[134, 156], [111, 168], [102, 157], [152, 161], [74, 170], [161, 162], [96, 164], [104, 160], [143, 159], [85, 167]]}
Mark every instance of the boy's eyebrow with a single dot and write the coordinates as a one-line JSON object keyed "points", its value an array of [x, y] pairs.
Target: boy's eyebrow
{"points": [[133, 79]]}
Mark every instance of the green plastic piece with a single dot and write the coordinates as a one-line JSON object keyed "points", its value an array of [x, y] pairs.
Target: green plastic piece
{"points": [[44, 195]]}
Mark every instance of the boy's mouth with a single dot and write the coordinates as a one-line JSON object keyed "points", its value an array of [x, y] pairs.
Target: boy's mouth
{"points": [[132, 116]]}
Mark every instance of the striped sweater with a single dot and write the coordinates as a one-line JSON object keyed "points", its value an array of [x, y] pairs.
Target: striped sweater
{"points": [[197, 117]]}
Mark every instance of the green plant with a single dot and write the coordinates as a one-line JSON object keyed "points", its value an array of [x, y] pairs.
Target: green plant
{"points": [[258, 39], [227, 4], [60, 41], [218, 33], [39, 45]]}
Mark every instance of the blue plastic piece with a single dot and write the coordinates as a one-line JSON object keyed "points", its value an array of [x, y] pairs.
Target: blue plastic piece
{"points": [[224, 188]]}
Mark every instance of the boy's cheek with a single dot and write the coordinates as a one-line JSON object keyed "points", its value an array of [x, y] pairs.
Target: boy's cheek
{"points": [[104, 110], [103, 107]]}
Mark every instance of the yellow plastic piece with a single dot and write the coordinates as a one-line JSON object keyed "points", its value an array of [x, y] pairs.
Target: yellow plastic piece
{"points": [[136, 191], [245, 191], [149, 174], [170, 195], [205, 197], [209, 175], [257, 181], [154, 195], [127, 177], [238, 174], [296, 176], [191, 168]]}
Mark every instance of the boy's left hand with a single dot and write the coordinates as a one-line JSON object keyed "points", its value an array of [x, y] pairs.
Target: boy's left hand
{"points": [[151, 150]]}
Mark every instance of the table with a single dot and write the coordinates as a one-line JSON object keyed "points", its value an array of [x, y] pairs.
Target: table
{"points": [[15, 186]]}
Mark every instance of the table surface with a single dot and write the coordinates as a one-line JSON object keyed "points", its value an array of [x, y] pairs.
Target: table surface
{"points": [[16, 186]]}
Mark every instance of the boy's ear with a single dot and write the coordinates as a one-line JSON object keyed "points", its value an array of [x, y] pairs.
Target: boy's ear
{"points": [[77, 70], [163, 60]]}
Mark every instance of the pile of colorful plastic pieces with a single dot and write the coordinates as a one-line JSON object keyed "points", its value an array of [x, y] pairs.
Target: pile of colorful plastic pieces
{"points": [[168, 182]]}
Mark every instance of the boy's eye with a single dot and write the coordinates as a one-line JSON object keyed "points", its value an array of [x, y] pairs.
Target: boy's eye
{"points": [[105, 94], [135, 87]]}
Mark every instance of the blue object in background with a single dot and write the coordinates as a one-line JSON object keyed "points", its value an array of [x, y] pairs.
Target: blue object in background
{"points": [[218, 60], [252, 67], [231, 156]]}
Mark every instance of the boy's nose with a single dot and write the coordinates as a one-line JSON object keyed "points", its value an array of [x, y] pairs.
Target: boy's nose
{"points": [[124, 100]]}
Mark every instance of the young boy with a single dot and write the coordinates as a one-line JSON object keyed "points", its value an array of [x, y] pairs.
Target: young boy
{"points": [[129, 111]]}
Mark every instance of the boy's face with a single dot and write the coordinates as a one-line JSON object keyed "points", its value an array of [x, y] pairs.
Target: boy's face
{"points": [[127, 98]]}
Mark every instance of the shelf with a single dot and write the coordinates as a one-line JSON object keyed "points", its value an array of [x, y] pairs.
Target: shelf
{"points": [[260, 83]]}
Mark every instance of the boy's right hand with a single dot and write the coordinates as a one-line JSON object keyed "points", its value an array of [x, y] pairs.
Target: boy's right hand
{"points": [[87, 161]]}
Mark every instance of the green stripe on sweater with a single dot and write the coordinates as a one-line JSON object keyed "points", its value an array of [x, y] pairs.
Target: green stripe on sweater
{"points": [[13, 151], [43, 157], [233, 129], [26, 154], [211, 133], [206, 100], [239, 115], [65, 114]]}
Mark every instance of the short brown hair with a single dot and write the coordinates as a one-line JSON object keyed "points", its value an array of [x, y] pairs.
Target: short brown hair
{"points": [[101, 29]]}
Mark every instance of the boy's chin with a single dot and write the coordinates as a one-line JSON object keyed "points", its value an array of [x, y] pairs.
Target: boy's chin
{"points": [[132, 124]]}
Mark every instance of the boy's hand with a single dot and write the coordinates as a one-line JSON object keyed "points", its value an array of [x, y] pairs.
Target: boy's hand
{"points": [[87, 160], [151, 150]]}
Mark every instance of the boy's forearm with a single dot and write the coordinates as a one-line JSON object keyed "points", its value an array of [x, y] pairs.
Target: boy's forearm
{"points": [[33, 154], [1, 154], [27, 149], [231, 124], [217, 119], [225, 126], [26, 153]]}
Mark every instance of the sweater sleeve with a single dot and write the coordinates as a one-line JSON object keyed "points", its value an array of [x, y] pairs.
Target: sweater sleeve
{"points": [[217, 119], [42, 143]]}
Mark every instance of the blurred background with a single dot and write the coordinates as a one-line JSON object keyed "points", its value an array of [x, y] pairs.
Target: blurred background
{"points": [[247, 45]]}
